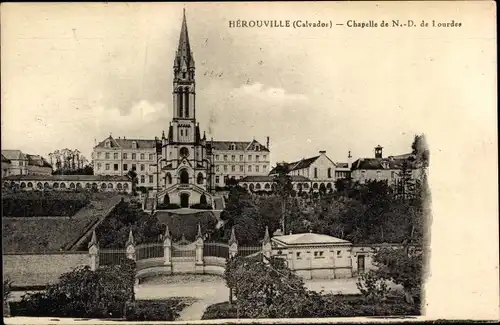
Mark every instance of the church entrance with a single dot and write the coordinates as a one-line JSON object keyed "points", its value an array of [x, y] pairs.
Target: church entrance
{"points": [[184, 177], [184, 200]]}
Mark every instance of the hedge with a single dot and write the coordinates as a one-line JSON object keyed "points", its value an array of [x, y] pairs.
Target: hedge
{"points": [[155, 310]]}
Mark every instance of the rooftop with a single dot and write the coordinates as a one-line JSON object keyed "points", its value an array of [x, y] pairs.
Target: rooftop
{"points": [[265, 178], [308, 239], [96, 178], [13, 155]]}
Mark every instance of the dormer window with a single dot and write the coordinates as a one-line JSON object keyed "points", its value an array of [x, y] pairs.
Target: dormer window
{"points": [[233, 147], [134, 145], [107, 144]]}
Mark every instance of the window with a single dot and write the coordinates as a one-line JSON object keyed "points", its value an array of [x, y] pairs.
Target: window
{"points": [[124, 156], [216, 157], [134, 145], [249, 157], [142, 156], [241, 157], [318, 254], [339, 253], [315, 172], [125, 167], [217, 179], [106, 155], [233, 157], [107, 144], [115, 167], [134, 167], [115, 156], [98, 166], [249, 168], [225, 157], [257, 158], [151, 178], [98, 155], [257, 168], [143, 180], [225, 168], [233, 147], [133, 156], [241, 168], [264, 168], [329, 173], [151, 156], [298, 256], [265, 157], [107, 166], [142, 168], [216, 168]]}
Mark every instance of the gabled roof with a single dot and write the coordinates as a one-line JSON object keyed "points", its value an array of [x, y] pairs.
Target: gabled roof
{"points": [[308, 239], [240, 145], [265, 178], [301, 164], [378, 163], [4, 159], [127, 143], [36, 160], [14, 155]]}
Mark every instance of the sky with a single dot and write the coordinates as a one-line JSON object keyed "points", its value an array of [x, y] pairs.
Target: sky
{"points": [[76, 73]]}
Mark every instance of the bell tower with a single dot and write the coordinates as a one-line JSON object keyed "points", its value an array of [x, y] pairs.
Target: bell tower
{"points": [[184, 119]]}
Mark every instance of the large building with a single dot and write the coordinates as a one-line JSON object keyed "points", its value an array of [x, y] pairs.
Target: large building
{"points": [[182, 166], [380, 168], [15, 162]]}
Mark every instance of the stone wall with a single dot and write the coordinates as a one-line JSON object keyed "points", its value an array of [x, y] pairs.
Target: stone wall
{"points": [[40, 269]]}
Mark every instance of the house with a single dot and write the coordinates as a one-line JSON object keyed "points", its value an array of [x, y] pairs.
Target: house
{"points": [[5, 166], [18, 162]]}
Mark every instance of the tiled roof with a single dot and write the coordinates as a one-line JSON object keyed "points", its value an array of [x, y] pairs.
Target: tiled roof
{"points": [[240, 145], [265, 178], [301, 164], [127, 143], [36, 160], [377, 163], [95, 178], [14, 154], [4, 159], [308, 239]]}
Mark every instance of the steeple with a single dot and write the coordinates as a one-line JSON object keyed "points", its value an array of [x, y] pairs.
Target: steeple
{"points": [[184, 57]]}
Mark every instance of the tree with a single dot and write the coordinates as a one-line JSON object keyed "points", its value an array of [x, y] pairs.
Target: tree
{"points": [[284, 188], [6, 295], [132, 174], [266, 290], [70, 162], [399, 265]]}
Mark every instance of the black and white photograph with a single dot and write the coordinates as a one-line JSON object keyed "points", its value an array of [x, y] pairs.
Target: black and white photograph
{"points": [[248, 162]]}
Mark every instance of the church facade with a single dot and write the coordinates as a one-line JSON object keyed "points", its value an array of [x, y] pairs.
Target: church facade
{"points": [[182, 167]]}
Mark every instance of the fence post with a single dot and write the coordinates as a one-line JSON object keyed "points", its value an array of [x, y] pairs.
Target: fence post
{"points": [[167, 248], [199, 251], [233, 244], [130, 246], [266, 246], [94, 252]]}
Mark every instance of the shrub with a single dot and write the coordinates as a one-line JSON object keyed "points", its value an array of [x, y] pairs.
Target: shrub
{"points": [[221, 310], [154, 310], [201, 206]]}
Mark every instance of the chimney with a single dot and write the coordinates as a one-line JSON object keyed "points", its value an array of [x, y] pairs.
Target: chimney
{"points": [[322, 152], [378, 151], [267, 143], [349, 159]]}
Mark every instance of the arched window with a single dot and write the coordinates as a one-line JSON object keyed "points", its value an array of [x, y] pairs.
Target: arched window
{"points": [[125, 186], [329, 173], [179, 103], [329, 185], [322, 187], [23, 185], [233, 146], [245, 185], [273, 187], [56, 185], [87, 185], [63, 185], [184, 176], [119, 186], [78, 185], [94, 186], [315, 186], [199, 178], [267, 186], [103, 186], [257, 187], [251, 186], [39, 185], [186, 108], [46, 185], [306, 185], [299, 186], [110, 185], [168, 178], [71, 185]]}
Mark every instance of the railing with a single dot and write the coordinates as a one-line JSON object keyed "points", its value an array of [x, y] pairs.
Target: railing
{"points": [[146, 251], [249, 250], [187, 252], [216, 249], [112, 256]]}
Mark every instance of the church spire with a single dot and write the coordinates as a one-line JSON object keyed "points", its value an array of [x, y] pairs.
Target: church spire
{"points": [[184, 56]]}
